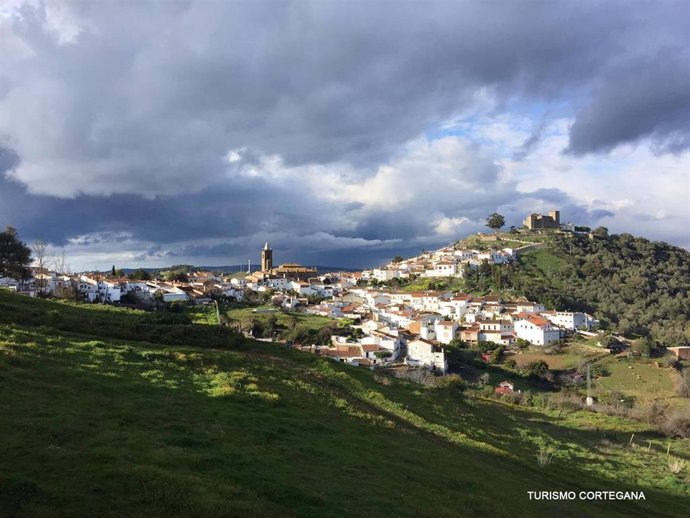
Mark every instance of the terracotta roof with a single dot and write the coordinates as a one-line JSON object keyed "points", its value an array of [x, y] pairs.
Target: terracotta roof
{"points": [[537, 320], [347, 351]]}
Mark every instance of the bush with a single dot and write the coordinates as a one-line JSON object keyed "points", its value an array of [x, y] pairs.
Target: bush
{"points": [[514, 398], [676, 424], [544, 456], [522, 343], [683, 383], [676, 465], [452, 381], [653, 413], [553, 349], [537, 369]]}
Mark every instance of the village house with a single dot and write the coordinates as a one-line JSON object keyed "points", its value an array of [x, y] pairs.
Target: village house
{"points": [[383, 274], [570, 320], [442, 269], [345, 353], [445, 331], [504, 387], [536, 330], [423, 353]]}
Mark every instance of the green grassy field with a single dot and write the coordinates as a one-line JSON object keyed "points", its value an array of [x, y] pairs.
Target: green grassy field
{"points": [[428, 283], [313, 322], [216, 425], [540, 263], [641, 379], [570, 358]]}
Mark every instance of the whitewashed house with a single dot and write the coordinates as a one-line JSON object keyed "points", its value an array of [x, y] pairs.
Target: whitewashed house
{"points": [[570, 320], [536, 330], [446, 331], [423, 353]]}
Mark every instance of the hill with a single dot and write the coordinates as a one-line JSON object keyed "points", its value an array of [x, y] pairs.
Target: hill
{"points": [[632, 285], [112, 412]]}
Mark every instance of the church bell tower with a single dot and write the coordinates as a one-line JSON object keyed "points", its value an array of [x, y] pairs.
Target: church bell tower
{"points": [[266, 258]]}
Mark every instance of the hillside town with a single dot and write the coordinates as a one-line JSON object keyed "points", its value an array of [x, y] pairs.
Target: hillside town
{"points": [[395, 325]]}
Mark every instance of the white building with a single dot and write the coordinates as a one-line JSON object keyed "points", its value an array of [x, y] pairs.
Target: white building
{"points": [[536, 330], [385, 342], [442, 269], [383, 274], [570, 320], [446, 331], [455, 307], [423, 353]]}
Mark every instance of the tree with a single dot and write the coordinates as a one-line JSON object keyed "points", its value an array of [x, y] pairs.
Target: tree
{"points": [[495, 221], [40, 252], [60, 264], [601, 232], [522, 343], [112, 271], [15, 256], [642, 346], [398, 259], [140, 275], [538, 369], [178, 275]]}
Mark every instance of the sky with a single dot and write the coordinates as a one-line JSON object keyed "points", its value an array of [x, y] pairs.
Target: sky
{"points": [[151, 133]]}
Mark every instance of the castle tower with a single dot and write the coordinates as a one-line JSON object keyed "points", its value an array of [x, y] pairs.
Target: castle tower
{"points": [[266, 258], [556, 216]]}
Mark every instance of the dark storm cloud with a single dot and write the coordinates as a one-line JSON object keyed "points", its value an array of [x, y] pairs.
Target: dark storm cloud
{"points": [[119, 117], [644, 98], [150, 96], [219, 211]]}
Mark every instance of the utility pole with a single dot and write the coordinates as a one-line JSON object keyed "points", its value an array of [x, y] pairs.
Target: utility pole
{"points": [[590, 400]]}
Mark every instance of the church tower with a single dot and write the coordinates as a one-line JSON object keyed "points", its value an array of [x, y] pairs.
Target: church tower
{"points": [[266, 258]]}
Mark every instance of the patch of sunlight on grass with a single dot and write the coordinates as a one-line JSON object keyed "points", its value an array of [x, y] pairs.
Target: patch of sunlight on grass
{"points": [[218, 383]]}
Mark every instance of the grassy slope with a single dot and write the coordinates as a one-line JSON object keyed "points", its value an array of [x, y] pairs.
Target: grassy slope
{"points": [[573, 354], [540, 263], [239, 312], [122, 427]]}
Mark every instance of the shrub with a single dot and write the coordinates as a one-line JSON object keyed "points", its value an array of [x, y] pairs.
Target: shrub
{"points": [[669, 361], [683, 383], [676, 465], [654, 413], [514, 398], [453, 381], [544, 456], [383, 380], [676, 424], [537, 369]]}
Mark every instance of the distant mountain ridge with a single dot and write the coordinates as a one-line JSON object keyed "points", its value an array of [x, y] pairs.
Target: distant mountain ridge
{"points": [[240, 268]]}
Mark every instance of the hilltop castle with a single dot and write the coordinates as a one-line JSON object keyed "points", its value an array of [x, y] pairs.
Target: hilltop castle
{"points": [[538, 221]]}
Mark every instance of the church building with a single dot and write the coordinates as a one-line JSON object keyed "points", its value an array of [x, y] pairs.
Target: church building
{"points": [[287, 270]]}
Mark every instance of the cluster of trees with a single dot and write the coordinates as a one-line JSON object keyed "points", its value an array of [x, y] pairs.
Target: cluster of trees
{"points": [[15, 256], [633, 285], [290, 329], [461, 354]]}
